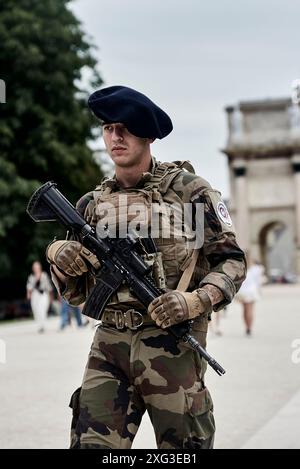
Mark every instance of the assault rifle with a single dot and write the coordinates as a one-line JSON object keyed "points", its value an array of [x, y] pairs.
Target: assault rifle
{"points": [[119, 258]]}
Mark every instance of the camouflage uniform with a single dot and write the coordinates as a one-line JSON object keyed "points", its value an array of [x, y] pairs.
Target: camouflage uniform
{"points": [[130, 371]]}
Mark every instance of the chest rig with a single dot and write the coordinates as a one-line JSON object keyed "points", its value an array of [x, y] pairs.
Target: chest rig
{"points": [[147, 209]]}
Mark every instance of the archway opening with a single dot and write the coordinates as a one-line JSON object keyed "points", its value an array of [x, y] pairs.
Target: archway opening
{"points": [[276, 247]]}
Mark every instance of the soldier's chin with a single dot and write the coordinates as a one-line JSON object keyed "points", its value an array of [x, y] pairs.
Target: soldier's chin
{"points": [[122, 161]]}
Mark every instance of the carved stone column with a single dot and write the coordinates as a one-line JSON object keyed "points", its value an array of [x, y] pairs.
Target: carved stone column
{"points": [[241, 203]]}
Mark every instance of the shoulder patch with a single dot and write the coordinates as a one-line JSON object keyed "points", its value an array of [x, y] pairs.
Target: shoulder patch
{"points": [[218, 207], [223, 213]]}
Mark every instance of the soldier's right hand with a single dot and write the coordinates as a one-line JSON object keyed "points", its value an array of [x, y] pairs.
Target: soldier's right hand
{"points": [[71, 257]]}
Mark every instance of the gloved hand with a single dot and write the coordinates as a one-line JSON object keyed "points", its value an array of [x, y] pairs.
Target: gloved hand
{"points": [[71, 257], [175, 306]]}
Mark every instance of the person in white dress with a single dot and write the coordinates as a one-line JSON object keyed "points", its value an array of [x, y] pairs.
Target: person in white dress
{"points": [[249, 292], [39, 293]]}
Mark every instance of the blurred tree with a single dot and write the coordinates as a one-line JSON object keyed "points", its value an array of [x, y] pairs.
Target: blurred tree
{"points": [[44, 125]]}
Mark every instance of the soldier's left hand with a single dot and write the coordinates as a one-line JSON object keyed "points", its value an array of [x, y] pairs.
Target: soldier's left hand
{"points": [[175, 306]]}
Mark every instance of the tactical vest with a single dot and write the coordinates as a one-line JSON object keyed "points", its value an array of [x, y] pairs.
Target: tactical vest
{"points": [[113, 208]]}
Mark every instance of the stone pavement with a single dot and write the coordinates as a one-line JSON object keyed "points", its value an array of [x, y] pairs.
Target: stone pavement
{"points": [[257, 401]]}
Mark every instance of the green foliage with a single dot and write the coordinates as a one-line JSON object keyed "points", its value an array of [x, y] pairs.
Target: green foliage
{"points": [[44, 125]]}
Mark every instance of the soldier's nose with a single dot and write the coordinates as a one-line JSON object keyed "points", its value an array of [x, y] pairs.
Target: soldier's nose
{"points": [[117, 135]]}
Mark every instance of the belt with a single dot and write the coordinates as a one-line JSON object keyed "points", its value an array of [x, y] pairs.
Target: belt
{"points": [[130, 319]]}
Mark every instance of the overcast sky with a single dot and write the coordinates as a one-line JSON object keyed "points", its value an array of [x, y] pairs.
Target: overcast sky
{"points": [[193, 58]]}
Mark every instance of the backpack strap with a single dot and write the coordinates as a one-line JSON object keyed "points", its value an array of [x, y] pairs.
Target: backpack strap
{"points": [[188, 272], [165, 173], [185, 164]]}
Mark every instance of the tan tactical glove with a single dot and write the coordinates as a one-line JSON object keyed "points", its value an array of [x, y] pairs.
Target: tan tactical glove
{"points": [[175, 306], [70, 257]]}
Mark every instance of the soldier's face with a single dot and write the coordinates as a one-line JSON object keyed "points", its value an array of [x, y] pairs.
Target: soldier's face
{"points": [[124, 148]]}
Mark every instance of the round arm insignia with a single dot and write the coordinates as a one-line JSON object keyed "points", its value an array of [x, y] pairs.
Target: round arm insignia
{"points": [[223, 214]]}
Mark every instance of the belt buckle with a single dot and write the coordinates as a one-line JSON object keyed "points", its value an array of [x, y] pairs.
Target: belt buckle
{"points": [[119, 319], [129, 319]]}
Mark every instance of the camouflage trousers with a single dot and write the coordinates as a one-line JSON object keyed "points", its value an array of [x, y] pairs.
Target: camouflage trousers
{"points": [[129, 372]]}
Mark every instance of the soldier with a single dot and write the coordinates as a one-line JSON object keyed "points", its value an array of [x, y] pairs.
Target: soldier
{"points": [[134, 363]]}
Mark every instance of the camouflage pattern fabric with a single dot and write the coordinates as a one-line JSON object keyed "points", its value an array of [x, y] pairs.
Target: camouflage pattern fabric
{"points": [[221, 262], [129, 372]]}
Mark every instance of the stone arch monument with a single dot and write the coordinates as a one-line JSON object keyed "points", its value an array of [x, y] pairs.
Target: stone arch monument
{"points": [[263, 151]]}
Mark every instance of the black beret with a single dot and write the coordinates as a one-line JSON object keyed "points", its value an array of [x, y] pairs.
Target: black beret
{"points": [[139, 114]]}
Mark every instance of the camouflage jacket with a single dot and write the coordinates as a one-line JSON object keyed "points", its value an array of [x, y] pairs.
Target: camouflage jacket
{"points": [[220, 262]]}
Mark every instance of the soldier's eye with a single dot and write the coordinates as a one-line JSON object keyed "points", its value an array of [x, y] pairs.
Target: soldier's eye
{"points": [[107, 128]]}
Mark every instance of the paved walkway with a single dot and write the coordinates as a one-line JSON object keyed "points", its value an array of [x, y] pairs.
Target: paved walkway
{"points": [[257, 402]]}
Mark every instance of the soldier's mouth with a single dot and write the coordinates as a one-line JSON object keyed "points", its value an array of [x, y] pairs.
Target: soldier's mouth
{"points": [[118, 148]]}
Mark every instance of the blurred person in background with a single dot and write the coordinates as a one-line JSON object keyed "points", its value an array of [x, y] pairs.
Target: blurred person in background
{"points": [[66, 313], [249, 292], [39, 293]]}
